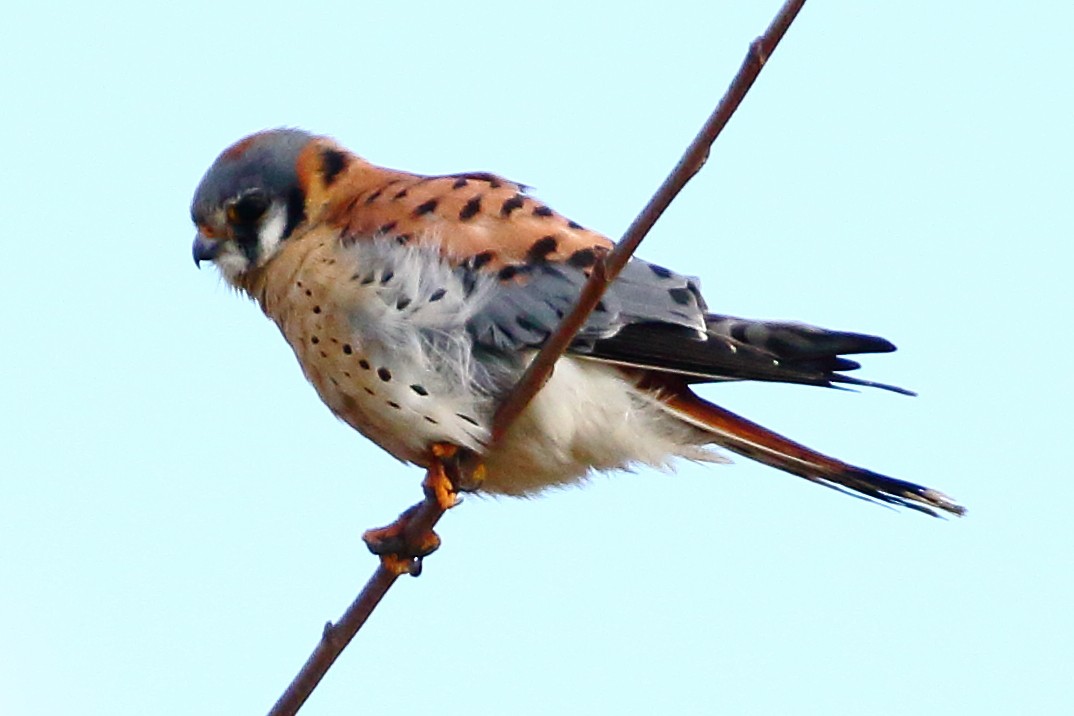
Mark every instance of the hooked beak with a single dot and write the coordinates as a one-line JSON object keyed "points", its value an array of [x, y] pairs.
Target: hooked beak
{"points": [[204, 249]]}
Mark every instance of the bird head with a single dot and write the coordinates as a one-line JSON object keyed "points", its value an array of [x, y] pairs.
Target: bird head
{"points": [[252, 199]]}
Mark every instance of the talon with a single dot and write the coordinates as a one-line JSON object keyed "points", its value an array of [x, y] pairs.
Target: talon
{"points": [[400, 552], [399, 566]]}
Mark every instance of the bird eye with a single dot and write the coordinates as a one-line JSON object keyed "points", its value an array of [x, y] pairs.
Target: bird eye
{"points": [[248, 208]]}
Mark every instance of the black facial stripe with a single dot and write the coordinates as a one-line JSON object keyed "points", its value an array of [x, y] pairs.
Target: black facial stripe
{"points": [[296, 210], [247, 239]]}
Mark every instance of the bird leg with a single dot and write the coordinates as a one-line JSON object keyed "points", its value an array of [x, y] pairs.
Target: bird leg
{"points": [[402, 544], [461, 471]]}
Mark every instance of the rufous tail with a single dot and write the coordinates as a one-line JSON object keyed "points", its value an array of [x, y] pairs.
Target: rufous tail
{"points": [[751, 440]]}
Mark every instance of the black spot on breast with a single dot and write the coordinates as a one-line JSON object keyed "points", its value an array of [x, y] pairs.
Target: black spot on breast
{"points": [[541, 248], [660, 271], [368, 390], [347, 348], [386, 228], [600, 307], [419, 389], [363, 280], [309, 292], [508, 272], [394, 404], [515, 202], [402, 239], [364, 364], [388, 276], [430, 420], [543, 211], [427, 207], [314, 340], [460, 183], [682, 296], [471, 208], [316, 309], [481, 259], [467, 418], [583, 258], [384, 374], [437, 294], [402, 303], [333, 162]]}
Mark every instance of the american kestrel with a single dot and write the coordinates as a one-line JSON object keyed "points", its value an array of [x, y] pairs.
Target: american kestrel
{"points": [[413, 304]]}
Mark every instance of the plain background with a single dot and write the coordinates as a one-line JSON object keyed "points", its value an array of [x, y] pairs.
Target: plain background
{"points": [[179, 515]]}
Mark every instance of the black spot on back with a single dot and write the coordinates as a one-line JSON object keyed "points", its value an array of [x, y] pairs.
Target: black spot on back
{"points": [[682, 296], [583, 258], [400, 194], [426, 207], [333, 162], [374, 196], [575, 225], [541, 248], [471, 208], [481, 259], [460, 183], [528, 324], [660, 271], [515, 202], [543, 211]]}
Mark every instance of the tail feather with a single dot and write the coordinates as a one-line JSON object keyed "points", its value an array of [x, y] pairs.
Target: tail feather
{"points": [[751, 440]]}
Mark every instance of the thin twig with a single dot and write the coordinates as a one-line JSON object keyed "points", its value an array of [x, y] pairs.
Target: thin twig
{"points": [[423, 516]]}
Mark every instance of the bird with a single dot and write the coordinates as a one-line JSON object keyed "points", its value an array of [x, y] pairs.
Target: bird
{"points": [[414, 303]]}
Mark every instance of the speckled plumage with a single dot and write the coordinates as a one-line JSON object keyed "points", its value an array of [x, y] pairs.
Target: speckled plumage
{"points": [[413, 303]]}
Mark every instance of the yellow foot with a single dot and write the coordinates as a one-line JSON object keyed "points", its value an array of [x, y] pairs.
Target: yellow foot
{"points": [[462, 471], [402, 544], [401, 552]]}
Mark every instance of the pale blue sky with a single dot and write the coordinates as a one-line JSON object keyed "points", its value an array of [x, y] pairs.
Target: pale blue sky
{"points": [[179, 515]]}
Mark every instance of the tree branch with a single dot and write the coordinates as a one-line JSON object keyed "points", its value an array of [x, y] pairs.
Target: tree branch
{"points": [[420, 519]]}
